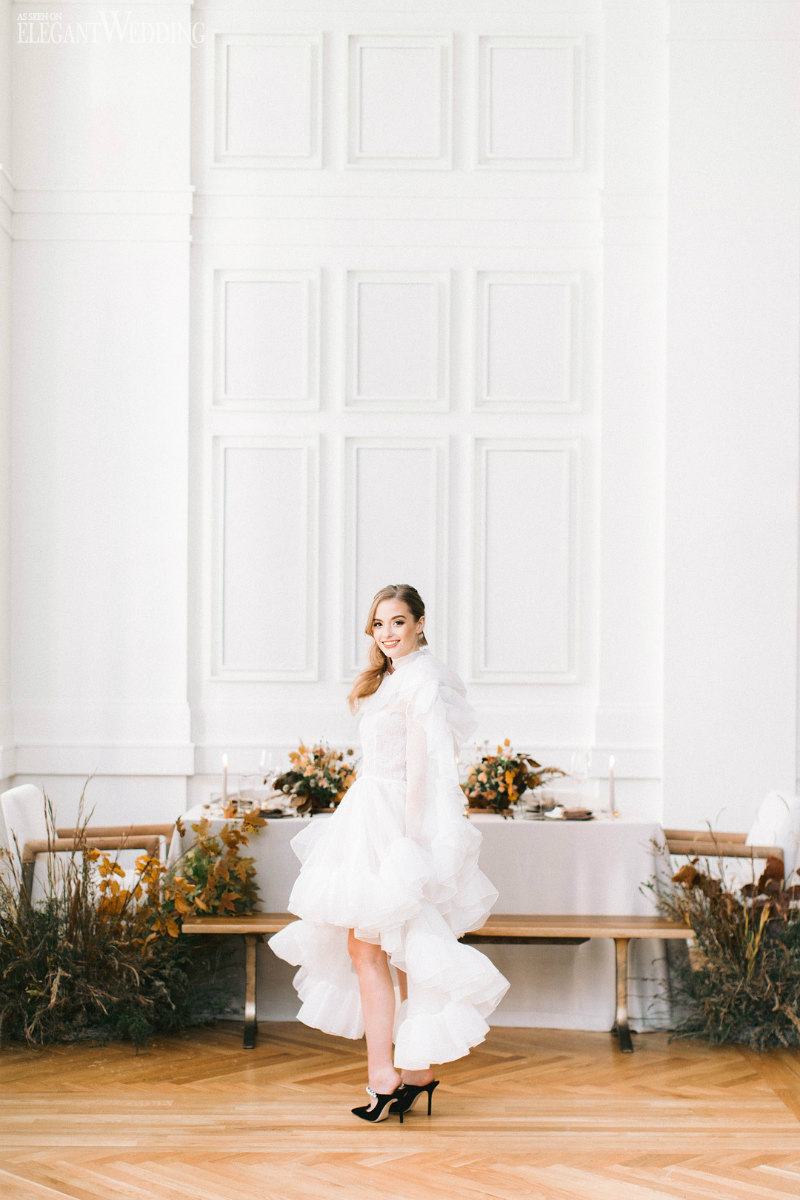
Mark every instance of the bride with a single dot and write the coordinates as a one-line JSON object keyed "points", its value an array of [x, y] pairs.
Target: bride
{"points": [[390, 882]]}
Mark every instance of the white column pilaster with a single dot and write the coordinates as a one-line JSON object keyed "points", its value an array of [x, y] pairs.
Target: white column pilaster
{"points": [[731, 492], [630, 549], [101, 346]]}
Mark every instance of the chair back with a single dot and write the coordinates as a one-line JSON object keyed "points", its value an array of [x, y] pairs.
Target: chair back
{"points": [[24, 816]]}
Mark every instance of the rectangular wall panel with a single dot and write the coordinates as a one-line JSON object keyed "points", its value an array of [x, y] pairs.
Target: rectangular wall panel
{"points": [[528, 341], [397, 339], [525, 561], [396, 530], [399, 111], [266, 326], [265, 559], [267, 101], [531, 102]]}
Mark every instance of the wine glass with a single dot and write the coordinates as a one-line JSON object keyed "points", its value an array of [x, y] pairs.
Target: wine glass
{"points": [[580, 762]]}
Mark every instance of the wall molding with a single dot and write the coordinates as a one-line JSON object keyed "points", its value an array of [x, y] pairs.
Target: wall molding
{"points": [[300, 158], [441, 117], [305, 586], [308, 396], [571, 336], [130, 759], [570, 157], [566, 670], [437, 396], [7, 201], [431, 581], [105, 201], [100, 214]]}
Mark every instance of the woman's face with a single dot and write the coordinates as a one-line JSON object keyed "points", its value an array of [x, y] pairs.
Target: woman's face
{"points": [[395, 629]]}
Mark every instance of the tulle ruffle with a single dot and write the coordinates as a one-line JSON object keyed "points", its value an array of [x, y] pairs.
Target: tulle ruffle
{"points": [[414, 897], [361, 872]]}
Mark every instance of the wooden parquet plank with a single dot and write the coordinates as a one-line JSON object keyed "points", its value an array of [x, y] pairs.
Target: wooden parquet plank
{"points": [[531, 1113]]}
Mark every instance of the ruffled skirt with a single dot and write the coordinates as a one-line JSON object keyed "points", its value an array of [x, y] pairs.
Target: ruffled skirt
{"points": [[359, 871]]}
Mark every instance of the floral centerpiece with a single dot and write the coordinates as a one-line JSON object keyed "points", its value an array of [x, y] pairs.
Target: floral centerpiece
{"points": [[318, 777], [498, 780]]}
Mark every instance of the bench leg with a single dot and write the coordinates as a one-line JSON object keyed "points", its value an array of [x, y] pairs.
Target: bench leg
{"points": [[621, 1029], [250, 1023]]}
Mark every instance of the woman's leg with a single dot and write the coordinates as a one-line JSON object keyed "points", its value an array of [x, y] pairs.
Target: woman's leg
{"points": [[377, 1004], [417, 1078]]}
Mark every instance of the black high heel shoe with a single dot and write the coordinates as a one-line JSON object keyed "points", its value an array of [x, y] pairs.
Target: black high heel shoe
{"points": [[410, 1094], [381, 1108]]}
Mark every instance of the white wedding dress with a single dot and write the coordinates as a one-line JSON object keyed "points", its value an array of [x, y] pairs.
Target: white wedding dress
{"points": [[398, 863]]}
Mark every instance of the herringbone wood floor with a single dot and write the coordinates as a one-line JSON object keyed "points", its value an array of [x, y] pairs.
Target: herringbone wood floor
{"points": [[531, 1113]]}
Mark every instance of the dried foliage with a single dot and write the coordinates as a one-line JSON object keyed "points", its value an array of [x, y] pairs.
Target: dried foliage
{"points": [[742, 980], [212, 876], [498, 780], [95, 959], [318, 778]]}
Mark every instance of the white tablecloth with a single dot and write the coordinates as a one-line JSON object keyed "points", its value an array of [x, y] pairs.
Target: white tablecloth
{"points": [[538, 867]]}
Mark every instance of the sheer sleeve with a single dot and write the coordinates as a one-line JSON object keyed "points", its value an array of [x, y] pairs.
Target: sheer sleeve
{"points": [[416, 775]]}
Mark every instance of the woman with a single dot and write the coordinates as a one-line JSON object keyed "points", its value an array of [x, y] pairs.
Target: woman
{"points": [[391, 881]]}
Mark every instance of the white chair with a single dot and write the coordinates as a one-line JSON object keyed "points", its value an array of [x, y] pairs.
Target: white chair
{"points": [[774, 833], [29, 839]]}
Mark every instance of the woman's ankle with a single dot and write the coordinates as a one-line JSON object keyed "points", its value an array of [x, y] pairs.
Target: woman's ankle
{"points": [[418, 1078], [384, 1082]]}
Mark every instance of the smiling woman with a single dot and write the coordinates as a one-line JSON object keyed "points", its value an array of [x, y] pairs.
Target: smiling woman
{"points": [[395, 622], [391, 881], [394, 629]]}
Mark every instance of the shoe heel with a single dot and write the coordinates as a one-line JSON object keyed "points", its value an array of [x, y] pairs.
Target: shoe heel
{"points": [[429, 1090]]}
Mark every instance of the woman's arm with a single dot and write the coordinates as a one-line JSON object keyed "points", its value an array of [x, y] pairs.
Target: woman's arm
{"points": [[416, 776]]}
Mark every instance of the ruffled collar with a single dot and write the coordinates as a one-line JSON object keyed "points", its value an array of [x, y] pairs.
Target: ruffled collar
{"points": [[407, 658]]}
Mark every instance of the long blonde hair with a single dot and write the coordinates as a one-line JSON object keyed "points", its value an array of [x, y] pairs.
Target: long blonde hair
{"points": [[370, 678]]}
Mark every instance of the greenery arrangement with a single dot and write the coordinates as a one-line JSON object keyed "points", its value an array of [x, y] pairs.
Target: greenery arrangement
{"points": [[94, 959], [498, 780], [318, 777], [742, 982]]}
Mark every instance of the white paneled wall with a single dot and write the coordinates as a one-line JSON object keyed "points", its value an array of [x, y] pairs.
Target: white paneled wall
{"points": [[7, 764], [525, 631], [100, 408], [397, 254], [497, 299], [531, 102], [267, 338], [264, 631], [397, 523]]}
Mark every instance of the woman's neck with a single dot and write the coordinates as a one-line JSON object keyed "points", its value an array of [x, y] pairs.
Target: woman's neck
{"points": [[398, 662]]}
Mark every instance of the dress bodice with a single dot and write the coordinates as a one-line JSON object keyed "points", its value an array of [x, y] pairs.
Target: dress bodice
{"points": [[383, 744], [414, 722]]}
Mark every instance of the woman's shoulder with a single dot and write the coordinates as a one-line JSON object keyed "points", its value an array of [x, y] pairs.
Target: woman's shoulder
{"points": [[425, 668], [431, 687]]}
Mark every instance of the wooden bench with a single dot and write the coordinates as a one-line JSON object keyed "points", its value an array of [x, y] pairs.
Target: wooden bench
{"points": [[516, 928], [503, 928], [251, 926]]}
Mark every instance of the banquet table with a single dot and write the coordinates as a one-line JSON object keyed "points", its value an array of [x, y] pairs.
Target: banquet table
{"points": [[538, 866]]}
